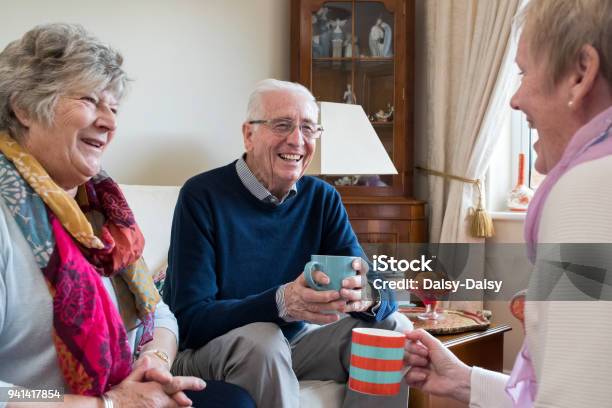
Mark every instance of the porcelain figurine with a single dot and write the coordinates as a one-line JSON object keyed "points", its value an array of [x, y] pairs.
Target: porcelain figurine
{"points": [[380, 39], [337, 37], [349, 96]]}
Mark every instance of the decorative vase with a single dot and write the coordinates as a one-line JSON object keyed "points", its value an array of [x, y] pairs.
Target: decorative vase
{"points": [[337, 47], [521, 194]]}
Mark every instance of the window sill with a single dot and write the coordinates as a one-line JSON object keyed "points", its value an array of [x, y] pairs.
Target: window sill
{"points": [[508, 215]]}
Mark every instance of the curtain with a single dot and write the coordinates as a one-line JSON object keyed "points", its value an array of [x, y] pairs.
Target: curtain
{"points": [[463, 55]]}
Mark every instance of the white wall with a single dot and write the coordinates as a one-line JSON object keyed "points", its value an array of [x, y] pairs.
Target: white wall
{"points": [[193, 63]]}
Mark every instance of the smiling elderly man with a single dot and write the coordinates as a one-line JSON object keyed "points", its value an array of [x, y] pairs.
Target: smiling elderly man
{"points": [[240, 238]]}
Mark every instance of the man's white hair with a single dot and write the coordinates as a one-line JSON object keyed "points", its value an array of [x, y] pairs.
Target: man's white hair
{"points": [[255, 106]]}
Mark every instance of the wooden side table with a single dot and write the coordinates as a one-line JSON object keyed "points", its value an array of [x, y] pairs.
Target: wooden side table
{"points": [[482, 348]]}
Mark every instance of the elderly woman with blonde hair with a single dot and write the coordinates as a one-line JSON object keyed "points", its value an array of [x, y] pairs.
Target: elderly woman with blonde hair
{"points": [[76, 299], [565, 58]]}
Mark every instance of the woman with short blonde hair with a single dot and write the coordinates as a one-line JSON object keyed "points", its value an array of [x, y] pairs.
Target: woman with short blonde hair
{"points": [[565, 58]]}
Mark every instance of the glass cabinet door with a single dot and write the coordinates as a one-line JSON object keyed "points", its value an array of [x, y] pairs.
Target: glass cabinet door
{"points": [[352, 61], [362, 52]]}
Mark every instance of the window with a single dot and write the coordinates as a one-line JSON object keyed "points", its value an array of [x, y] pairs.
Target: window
{"points": [[523, 138], [515, 137], [535, 178]]}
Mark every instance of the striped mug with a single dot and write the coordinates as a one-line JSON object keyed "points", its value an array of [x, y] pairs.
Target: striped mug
{"points": [[377, 361]]}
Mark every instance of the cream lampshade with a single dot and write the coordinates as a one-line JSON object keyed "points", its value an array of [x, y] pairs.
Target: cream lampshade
{"points": [[349, 144]]}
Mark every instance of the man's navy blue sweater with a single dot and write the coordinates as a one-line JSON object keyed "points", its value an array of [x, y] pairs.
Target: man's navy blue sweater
{"points": [[230, 252]]}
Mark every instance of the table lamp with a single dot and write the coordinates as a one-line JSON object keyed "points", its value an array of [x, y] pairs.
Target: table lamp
{"points": [[349, 144]]}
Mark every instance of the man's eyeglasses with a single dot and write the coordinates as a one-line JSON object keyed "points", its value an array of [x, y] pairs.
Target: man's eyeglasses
{"points": [[284, 127]]}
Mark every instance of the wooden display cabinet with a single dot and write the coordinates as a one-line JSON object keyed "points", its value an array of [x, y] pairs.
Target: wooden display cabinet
{"points": [[362, 51]]}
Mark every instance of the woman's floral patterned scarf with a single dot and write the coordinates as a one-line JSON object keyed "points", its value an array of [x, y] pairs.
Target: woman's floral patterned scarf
{"points": [[75, 242]]}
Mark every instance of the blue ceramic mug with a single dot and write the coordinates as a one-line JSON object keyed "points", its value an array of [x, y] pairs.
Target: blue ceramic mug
{"points": [[336, 267]]}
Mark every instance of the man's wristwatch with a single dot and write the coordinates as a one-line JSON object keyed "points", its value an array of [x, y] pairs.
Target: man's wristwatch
{"points": [[372, 295]]}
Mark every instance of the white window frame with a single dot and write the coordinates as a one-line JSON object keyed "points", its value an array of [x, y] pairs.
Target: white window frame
{"points": [[503, 170], [503, 167]]}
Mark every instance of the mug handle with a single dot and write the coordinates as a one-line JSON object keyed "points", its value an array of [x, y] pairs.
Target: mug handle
{"points": [[309, 268]]}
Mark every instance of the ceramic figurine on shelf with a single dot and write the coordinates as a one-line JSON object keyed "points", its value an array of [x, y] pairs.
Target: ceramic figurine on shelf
{"points": [[381, 116], [385, 116], [346, 181], [349, 96], [377, 37], [390, 111], [337, 25], [317, 51], [521, 195], [321, 39], [348, 46], [380, 39], [337, 37], [387, 41], [371, 181]]}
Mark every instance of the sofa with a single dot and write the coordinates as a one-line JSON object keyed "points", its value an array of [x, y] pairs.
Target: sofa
{"points": [[153, 207]]}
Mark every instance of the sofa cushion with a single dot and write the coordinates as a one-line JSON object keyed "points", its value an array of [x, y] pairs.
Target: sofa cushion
{"points": [[153, 207]]}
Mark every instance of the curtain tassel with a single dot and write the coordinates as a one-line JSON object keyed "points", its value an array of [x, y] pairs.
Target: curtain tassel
{"points": [[481, 224]]}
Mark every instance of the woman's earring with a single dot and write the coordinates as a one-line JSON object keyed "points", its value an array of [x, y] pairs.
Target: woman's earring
{"points": [[570, 104]]}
